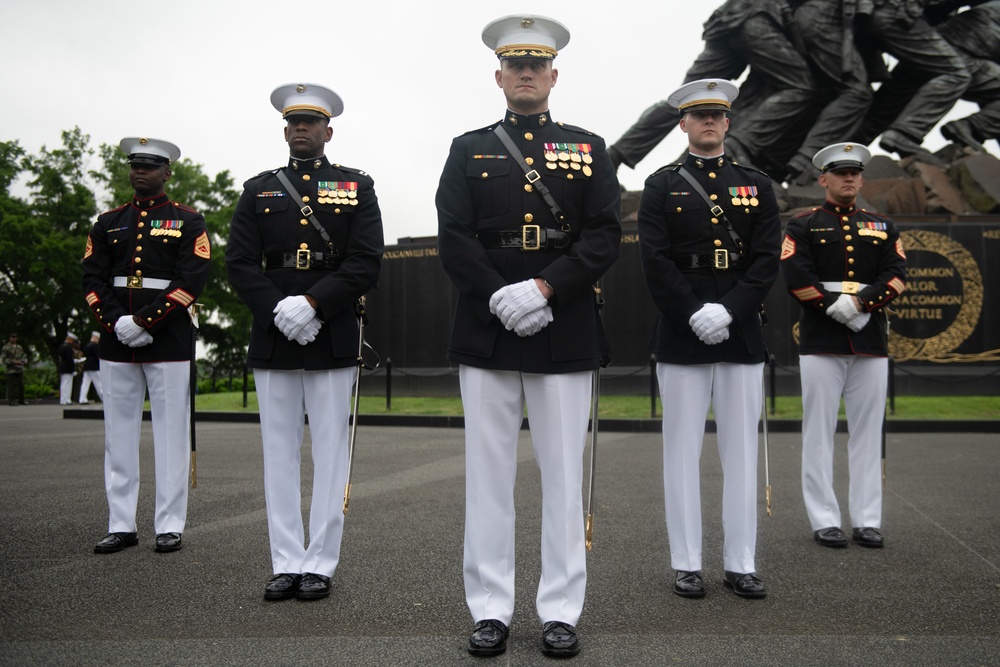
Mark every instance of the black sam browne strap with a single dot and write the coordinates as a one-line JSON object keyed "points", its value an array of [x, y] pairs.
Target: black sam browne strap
{"points": [[306, 211], [533, 177]]}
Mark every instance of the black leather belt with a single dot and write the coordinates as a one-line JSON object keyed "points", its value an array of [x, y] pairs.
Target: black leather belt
{"points": [[720, 260], [303, 260], [528, 238]]}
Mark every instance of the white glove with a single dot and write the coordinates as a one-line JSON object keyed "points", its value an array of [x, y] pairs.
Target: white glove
{"points": [[127, 330], [519, 299], [291, 314], [843, 309], [716, 338], [496, 298], [307, 333], [144, 338], [712, 318], [858, 322], [533, 322]]}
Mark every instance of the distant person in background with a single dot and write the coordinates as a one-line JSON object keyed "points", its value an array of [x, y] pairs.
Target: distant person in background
{"points": [[14, 360], [843, 265], [91, 368], [66, 367]]}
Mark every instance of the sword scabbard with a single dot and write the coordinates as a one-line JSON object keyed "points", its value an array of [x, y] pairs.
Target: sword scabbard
{"points": [[194, 470]]}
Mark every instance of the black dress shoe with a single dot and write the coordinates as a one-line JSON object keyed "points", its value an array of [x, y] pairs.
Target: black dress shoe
{"points": [[868, 537], [282, 586], [489, 637], [168, 542], [689, 584], [114, 542], [559, 640], [747, 585], [831, 537], [313, 587]]}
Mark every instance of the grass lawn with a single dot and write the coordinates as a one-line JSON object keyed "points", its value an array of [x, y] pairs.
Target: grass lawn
{"points": [[638, 407]]}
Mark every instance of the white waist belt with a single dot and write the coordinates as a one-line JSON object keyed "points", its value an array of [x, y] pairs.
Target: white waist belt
{"points": [[844, 287], [139, 282]]}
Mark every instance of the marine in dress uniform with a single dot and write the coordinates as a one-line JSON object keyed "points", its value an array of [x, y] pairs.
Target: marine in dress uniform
{"points": [[318, 259], [526, 330], [146, 262], [67, 367], [709, 266], [843, 265], [92, 368]]}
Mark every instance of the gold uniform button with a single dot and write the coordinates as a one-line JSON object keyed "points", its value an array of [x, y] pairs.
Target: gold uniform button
{"points": [[711, 174], [159, 312], [822, 241], [306, 198], [850, 248], [138, 259], [718, 243], [306, 177], [149, 319], [850, 260], [569, 177], [138, 273], [144, 213], [303, 221], [484, 175], [528, 217], [847, 237], [874, 242], [529, 136], [303, 246], [138, 248], [267, 210], [713, 197], [845, 219], [715, 221], [679, 209], [138, 236], [527, 187], [850, 274], [166, 241], [529, 160], [336, 210], [141, 225]]}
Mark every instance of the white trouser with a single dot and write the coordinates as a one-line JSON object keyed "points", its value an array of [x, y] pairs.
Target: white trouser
{"points": [[558, 412], [88, 378], [170, 404], [863, 382], [65, 388], [735, 394], [285, 397]]}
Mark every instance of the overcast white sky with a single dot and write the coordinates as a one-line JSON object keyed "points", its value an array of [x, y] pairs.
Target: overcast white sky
{"points": [[413, 75]]}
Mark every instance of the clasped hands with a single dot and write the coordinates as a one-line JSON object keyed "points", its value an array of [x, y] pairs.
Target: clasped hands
{"points": [[131, 333], [845, 311], [297, 320], [711, 323], [521, 308]]}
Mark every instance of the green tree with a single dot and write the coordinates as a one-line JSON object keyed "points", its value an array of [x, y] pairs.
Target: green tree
{"points": [[43, 239]]}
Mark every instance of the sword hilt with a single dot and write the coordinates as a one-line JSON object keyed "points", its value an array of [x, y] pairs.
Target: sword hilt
{"points": [[347, 497], [590, 531]]}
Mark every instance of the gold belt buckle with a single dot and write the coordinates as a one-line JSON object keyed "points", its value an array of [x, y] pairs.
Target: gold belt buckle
{"points": [[850, 287], [721, 258], [525, 231], [303, 258], [133, 282]]}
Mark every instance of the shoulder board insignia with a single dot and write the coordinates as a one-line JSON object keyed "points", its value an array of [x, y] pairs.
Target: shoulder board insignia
{"points": [[116, 209], [352, 170], [573, 128], [488, 128], [262, 174], [748, 167], [185, 207], [669, 167]]}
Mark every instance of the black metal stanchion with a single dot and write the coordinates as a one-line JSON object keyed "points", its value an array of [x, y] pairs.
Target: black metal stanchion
{"points": [[388, 384], [892, 386], [652, 386], [246, 385]]}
